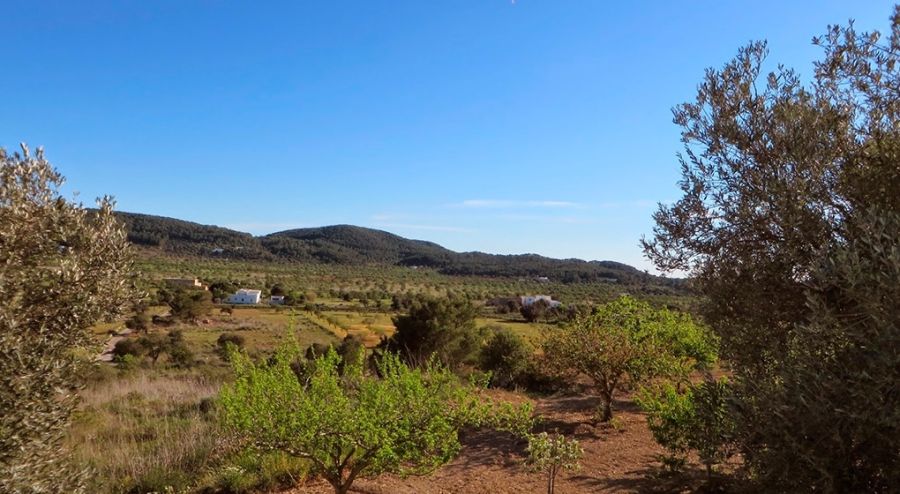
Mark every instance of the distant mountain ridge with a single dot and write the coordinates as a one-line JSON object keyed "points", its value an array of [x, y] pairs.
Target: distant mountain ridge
{"points": [[355, 245]]}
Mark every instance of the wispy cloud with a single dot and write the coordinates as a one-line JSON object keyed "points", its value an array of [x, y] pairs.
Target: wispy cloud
{"points": [[509, 204], [434, 228], [544, 218], [635, 204]]}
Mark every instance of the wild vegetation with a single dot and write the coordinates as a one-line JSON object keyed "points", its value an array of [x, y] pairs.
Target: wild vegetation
{"points": [[394, 361], [357, 246]]}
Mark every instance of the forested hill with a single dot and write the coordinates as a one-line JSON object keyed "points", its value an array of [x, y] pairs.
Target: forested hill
{"points": [[353, 245]]}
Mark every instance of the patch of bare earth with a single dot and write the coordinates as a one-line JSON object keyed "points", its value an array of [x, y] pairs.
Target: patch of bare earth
{"points": [[616, 459]]}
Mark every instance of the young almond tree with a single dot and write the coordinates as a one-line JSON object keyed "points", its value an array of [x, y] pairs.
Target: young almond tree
{"points": [[628, 341], [349, 424], [552, 453]]}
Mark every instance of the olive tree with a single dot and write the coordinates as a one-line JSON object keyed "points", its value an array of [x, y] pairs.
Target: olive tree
{"points": [[62, 268], [350, 424], [779, 176], [627, 341]]}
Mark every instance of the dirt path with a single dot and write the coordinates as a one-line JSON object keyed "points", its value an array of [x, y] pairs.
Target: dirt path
{"points": [[616, 459], [107, 354]]}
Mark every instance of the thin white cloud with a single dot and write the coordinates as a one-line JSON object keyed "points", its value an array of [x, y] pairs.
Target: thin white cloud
{"points": [[502, 203], [636, 204], [544, 218]]}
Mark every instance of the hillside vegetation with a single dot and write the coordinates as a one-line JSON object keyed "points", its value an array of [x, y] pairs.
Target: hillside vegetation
{"points": [[356, 246]]}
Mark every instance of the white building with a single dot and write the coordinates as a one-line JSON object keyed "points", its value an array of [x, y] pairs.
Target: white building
{"points": [[530, 299], [244, 296], [276, 300]]}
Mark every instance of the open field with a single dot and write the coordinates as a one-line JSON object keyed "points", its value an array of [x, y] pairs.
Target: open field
{"points": [[145, 426]]}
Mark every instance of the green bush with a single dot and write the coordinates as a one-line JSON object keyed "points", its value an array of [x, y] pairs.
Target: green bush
{"points": [[833, 421], [443, 327], [669, 414], [227, 340], [127, 347], [697, 419], [506, 356]]}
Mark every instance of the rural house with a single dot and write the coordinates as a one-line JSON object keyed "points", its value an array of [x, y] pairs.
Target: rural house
{"points": [[527, 300], [244, 296]]}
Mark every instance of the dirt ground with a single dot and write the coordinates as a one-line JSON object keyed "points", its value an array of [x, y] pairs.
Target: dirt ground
{"points": [[616, 459]]}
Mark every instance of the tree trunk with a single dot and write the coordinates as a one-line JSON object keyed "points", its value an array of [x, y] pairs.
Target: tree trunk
{"points": [[551, 479], [605, 406], [341, 487]]}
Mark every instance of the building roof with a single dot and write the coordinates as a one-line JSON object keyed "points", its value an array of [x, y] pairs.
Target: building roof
{"points": [[247, 291]]}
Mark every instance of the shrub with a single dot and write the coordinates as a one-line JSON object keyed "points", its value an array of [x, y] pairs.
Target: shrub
{"points": [[180, 355], [141, 319], [836, 426], [536, 310], [226, 340], [506, 356], [696, 419], [441, 327], [127, 347]]}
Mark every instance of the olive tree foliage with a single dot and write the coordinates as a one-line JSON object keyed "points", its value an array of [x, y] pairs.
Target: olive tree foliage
{"points": [[350, 423], [628, 342], [771, 171], [835, 412], [62, 268], [778, 177]]}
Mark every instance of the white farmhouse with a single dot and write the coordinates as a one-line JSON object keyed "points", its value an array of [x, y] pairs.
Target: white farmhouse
{"points": [[244, 296], [530, 299]]}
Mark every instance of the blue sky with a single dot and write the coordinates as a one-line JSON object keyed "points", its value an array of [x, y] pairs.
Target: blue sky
{"points": [[507, 127]]}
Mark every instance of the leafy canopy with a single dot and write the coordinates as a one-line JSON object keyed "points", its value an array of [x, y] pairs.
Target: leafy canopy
{"points": [[788, 227], [350, 424], [627, 340], [443, 327]]}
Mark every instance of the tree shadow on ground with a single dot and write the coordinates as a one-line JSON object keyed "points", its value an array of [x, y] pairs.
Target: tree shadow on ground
{"points": [[658, 480], [491, 448]]}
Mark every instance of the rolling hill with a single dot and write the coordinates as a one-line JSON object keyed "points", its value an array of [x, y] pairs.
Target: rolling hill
{"points": [[354, 245]]}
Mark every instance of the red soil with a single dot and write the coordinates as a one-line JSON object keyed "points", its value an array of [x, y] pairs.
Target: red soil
{"points": [[616, 459]]}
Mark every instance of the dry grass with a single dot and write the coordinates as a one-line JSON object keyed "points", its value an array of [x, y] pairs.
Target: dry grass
{"points": [[145, 432]]}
